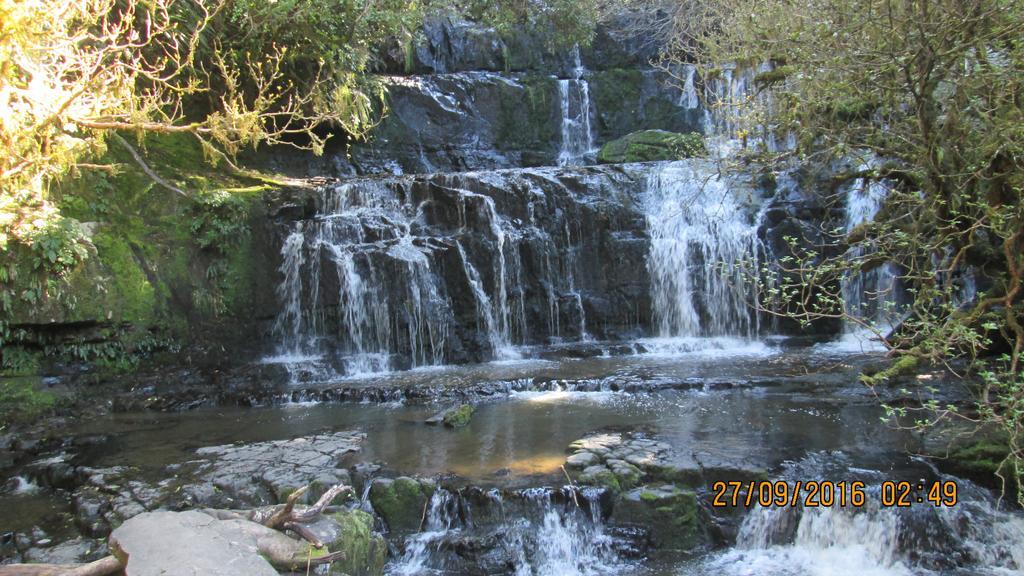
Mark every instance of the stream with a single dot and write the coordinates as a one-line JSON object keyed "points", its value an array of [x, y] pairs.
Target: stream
{"points": [[598, 321]]}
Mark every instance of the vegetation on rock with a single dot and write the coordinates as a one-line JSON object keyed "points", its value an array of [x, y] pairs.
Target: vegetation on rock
{"points": [[651, 145], [924, 97], [459, 417]]}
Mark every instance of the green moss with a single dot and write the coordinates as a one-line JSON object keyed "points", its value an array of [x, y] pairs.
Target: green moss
{"points": [[399, 502], [628, 476], [23, 399], [156, 260], [459, 417], [129, 295], [651, 145], [773, 76], [526, 121], [982, 458], [604, 477], [670, 514], [648, 497], [365, 552]]}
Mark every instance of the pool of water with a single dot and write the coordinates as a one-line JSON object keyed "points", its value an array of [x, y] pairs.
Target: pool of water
{"points": [[787, 405], [752, 408]]}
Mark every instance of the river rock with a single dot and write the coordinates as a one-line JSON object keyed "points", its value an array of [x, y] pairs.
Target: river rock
{"points": [[400, 502], [78, 550], [669, 514], [351, 532], [185, 543], [267, 472], [455, 417], [621, 461]]}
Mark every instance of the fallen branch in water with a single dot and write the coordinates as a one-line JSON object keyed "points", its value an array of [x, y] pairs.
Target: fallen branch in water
{"points": [[102, 567]]}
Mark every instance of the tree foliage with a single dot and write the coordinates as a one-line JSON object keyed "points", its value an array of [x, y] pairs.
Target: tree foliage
{"points": [[926, 96], [234, 74]]}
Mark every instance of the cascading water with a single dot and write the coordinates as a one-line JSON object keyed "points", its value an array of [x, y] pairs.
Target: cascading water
{"points": [[870, 295], [499, 314], [574, 94], [703, 244], [536, 536], [361, 236], [731, 97], [973, 537]]}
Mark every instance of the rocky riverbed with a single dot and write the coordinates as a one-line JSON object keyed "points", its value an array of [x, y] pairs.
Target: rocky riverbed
{"points": [[612, 457]]}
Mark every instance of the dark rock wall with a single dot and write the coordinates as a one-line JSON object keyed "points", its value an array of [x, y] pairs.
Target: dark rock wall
{"points": [[570, 246]]}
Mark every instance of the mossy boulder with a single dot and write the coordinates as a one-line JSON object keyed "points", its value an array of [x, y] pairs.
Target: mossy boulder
{"points": [[651, 145], [399, 502], [669, 514], [365, 551], [459, 417], [600, 476]]}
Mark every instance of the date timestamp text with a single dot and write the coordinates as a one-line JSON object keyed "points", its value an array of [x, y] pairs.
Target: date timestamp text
{"points": [[824, 493]]}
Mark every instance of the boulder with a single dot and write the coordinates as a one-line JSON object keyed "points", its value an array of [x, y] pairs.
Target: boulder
{"points": [[351, 532], [399, 502], [455, 417], [651, 145], [669, 514], [186, 543]]}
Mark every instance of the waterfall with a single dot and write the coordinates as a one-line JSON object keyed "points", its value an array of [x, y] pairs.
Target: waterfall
{"points": [[703, 245], [440, 524], [386, 301], [540, 537], [876, 540], [870, 295], [500, 315], [485, 311], [574, 94], [728, 123]]}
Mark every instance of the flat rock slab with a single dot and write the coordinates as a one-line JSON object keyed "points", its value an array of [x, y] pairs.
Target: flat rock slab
{"points": [[280, 466], [185, 544]]}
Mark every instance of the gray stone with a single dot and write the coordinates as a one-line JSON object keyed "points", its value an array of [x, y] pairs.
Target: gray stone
{"points": [[186, 544], [582, 460]]}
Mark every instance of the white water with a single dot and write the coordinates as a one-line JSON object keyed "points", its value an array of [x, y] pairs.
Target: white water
{"points": [[738, 113], [502, 317], [547, 539], [876, 541], [703, 243], [574, 100], [354, 331], [871, 296]]}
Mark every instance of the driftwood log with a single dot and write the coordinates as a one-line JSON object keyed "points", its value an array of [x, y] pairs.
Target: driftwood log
{"points": [[280, 550], [102, 567]]}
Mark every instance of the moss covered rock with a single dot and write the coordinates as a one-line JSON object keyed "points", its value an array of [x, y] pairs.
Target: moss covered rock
{"points": [[459, 417], [600, 476], [670, 515], [365, 551], [651, 145], [399, 502]]}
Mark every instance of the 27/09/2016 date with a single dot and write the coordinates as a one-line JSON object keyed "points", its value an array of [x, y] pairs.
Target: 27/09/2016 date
{"points": [[823, 493]]}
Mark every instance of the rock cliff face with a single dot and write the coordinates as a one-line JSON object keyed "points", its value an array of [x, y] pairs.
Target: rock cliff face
{"points": [[404, 271], [462, 97], [467, 226]]}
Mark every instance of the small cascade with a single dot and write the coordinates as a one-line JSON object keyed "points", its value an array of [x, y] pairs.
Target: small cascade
{"points": [[440, 525], [537, 532], [703, 243], [873, 539], [688, 97], [485, 311], [385, 299], [503, 314], [577, 137], [729, 124], [869, 295]]}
